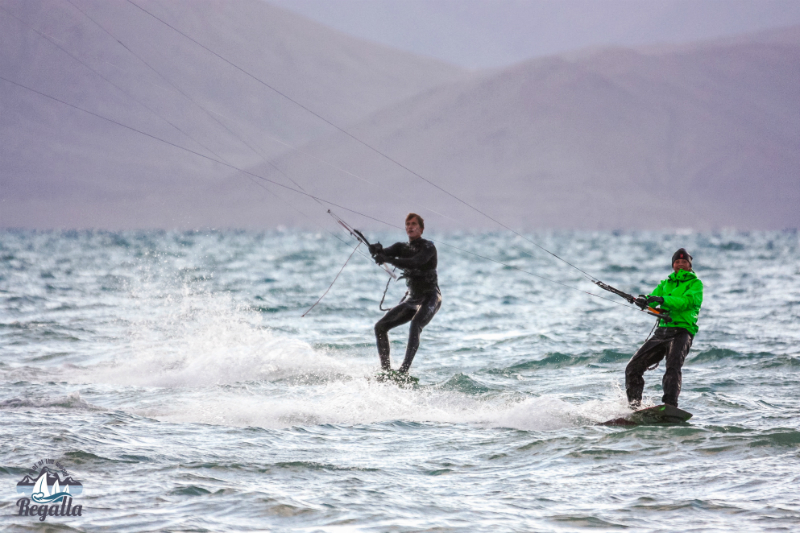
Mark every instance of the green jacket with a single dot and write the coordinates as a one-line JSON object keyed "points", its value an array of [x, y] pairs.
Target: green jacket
{"points": [[683, 295]]}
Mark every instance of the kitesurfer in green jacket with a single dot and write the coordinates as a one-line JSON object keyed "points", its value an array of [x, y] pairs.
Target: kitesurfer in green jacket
{"points": [[681, 294]]}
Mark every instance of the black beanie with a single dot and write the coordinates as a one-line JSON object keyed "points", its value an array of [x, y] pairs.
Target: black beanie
{"points": [[682, 254]]}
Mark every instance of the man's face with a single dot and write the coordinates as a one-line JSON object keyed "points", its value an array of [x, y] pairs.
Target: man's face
{"points": [[413, 230], [681, 264]]}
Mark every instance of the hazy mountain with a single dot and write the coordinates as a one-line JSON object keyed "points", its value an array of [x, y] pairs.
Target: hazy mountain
{"points": [[65, 168], [496, 33], [701, 136]]}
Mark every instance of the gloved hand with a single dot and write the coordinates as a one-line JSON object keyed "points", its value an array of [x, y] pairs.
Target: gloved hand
{"points": [[379, 258], [655, 300], [641, 301], [375, 249]]}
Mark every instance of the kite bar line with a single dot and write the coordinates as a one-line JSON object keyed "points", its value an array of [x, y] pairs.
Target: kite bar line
{"points": [[297, 189], [360, 238], [356, 139], [332, 282], [286, 187]]}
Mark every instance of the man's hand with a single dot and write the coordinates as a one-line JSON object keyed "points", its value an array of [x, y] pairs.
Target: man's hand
{"points": [[641, 302], [379, 258], [655, 300], [375, 249]]}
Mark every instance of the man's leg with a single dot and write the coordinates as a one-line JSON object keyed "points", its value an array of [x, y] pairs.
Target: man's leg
{"points": [[651, 352], [394, 317], [421, 319], [676, 355]]}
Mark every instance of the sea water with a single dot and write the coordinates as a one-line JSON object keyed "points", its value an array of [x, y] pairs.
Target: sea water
{"points": [[173, 375]]}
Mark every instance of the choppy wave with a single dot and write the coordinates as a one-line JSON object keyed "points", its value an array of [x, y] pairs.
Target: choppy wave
{"points": [[763, 359], [175, 368], [70, 402], [563, 360]]}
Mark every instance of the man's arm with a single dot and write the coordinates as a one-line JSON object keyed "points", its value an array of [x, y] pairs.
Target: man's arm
{"points": [[692, 298], [654, 298], [392, 250], [385, 255], [415, 261]]}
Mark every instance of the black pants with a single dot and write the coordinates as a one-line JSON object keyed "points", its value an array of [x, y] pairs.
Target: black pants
{"points": [[674, 343], [419, 310]]}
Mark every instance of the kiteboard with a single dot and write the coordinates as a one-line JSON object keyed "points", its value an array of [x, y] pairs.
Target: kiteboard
{"points": [[401, 379], [660, 414]]}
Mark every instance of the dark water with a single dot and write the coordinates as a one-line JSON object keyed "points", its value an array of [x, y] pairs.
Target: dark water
{"points": [[172, 375]]}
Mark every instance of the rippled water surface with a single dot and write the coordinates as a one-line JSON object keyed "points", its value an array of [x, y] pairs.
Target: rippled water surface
{"points": [[172, 374]]}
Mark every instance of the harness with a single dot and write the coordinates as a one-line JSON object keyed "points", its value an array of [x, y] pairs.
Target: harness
{"points": [[429, 274]]}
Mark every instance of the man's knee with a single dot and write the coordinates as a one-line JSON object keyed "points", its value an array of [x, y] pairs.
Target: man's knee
{"points": [[634, 370], [415, 328], [380, 328], [679, 350], [673, 376]]}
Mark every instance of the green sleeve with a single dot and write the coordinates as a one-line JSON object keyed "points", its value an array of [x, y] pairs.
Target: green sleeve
{"points": [[691, 299]]}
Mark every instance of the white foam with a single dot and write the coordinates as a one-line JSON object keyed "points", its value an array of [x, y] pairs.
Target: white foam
{"points": [[355, 401], [221, 364], [198, 340]]}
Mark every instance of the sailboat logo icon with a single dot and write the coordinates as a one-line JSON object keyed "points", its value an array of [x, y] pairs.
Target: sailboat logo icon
{"points": [[49, 486]]}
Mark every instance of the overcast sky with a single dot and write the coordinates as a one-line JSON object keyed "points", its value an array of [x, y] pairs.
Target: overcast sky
{"points": [[492, 33]]}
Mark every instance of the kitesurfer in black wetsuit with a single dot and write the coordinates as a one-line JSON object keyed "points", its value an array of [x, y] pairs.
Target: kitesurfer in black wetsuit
{"points": [[417, 259]]}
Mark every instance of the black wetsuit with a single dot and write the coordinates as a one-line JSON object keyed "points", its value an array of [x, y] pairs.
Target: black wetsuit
{"points": [[674, 343], [418, 261]]}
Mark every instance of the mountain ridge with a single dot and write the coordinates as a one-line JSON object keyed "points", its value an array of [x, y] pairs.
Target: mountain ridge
{"points": [[65, 168], [705, 136], [698, 136]]}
